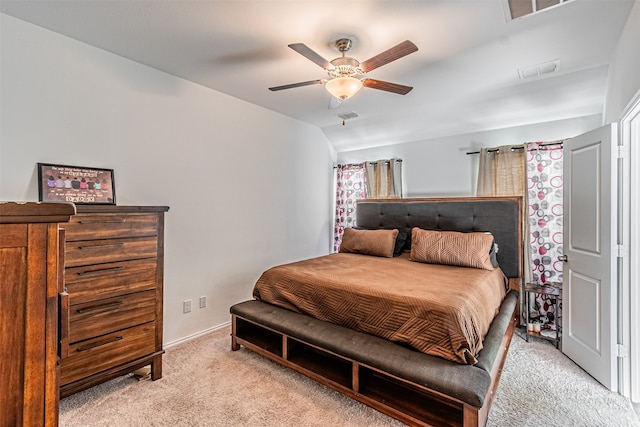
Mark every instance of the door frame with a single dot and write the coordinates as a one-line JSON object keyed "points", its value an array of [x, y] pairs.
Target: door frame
{"points": [[630, 296]]}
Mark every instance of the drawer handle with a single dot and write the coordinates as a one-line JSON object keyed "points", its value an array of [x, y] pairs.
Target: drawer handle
{"points": [[100, 307], [113, 245], [103, 221], [98, 344], [104, 270]]}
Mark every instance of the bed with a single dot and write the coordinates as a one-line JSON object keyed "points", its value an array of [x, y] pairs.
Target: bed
{"points": [[358, 323]]}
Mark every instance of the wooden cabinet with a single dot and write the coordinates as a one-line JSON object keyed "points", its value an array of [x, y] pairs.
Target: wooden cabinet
{"points": [[114, 278], [31, 289]]}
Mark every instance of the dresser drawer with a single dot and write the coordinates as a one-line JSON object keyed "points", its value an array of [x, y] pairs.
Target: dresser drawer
{"points": [[95, 355], [88, 252], [111, 226], [96, 282], [101, 317]]}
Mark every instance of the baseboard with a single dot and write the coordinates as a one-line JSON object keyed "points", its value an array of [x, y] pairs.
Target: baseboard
{"points": [[196, 335]]}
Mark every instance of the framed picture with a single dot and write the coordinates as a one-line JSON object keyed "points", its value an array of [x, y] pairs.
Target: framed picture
{"points": [[77, 184]]}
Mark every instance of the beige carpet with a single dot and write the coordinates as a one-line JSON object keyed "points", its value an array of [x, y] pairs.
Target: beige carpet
{"points": [[205, 384]]}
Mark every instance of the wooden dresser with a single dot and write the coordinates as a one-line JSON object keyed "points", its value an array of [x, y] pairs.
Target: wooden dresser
{"points": [[114, 261], [31, 285]]}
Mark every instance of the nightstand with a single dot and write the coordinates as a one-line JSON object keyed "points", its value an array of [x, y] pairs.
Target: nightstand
{"points": [[548, 288]]}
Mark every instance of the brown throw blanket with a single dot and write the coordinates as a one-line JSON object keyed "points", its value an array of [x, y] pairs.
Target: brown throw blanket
{"points": [[440, 310]]}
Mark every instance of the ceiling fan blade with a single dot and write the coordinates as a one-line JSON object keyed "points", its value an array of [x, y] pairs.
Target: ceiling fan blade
{"points": [[292, 85], [335, 102], [389, 87], [305, 51], [396, 52]]}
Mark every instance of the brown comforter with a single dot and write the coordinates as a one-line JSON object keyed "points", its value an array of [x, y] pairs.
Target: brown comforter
{"points": [[440, 310]]}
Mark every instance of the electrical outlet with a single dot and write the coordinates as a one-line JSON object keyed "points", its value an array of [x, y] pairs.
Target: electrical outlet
{"points": [[186, 306], [203, 302]]}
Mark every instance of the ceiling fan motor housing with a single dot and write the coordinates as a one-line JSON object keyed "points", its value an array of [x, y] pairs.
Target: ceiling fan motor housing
{"points": [[345, 67]]}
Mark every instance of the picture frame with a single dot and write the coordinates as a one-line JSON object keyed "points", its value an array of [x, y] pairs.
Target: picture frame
{"points": [[77, 184]]}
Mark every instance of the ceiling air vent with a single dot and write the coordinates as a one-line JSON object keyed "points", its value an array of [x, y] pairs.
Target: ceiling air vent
{"points": [[539, 70], [515, 9], [347, 116]]}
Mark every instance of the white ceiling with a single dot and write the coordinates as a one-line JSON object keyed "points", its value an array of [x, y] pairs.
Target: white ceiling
{"points": [[465, 73]]}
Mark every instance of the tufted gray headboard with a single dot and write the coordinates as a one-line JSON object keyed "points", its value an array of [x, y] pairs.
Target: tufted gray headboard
{"points": [[498, 215]]}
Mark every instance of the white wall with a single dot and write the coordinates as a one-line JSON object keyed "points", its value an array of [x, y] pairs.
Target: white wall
{"points": [[247, 188], [441, 167], [624, 72]]}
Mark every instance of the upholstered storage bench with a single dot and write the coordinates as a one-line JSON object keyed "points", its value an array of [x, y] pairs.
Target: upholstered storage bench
{"points": [[414, 387]]}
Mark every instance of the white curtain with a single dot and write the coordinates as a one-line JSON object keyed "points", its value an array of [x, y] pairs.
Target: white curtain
{"points": [[384, 179], [502, 172]]}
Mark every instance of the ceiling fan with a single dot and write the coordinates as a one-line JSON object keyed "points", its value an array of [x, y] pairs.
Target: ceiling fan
{"points": [[346, 75]]}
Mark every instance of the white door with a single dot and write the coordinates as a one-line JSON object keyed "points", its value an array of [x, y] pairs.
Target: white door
{"points": [[589, 286]]}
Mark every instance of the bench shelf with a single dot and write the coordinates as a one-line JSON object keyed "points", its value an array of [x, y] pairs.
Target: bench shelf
{"points": [[338, 365]]}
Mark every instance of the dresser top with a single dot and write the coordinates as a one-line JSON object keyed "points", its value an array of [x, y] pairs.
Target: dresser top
{"points": [[119, 209], [32, 212]]}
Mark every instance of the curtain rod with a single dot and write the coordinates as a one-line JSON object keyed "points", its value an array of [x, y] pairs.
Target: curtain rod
{"points": [[386, 162], [493, 150], [371, 163]]}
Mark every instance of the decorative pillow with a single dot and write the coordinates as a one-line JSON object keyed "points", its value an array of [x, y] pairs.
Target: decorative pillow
{"points": [[401, 240], [369, 242], [451, 248]]}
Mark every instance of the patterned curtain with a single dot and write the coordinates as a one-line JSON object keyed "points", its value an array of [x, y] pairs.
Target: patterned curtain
{"points": [[544, 174], [351, 185]]}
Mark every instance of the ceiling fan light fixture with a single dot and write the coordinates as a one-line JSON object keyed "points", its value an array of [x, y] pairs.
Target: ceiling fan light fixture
{"points": [[343, 87]]}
